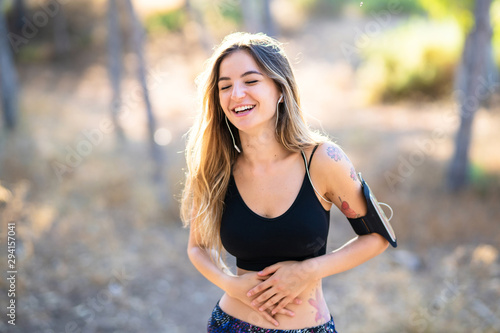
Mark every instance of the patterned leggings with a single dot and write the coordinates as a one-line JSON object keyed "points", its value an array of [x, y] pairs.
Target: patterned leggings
{"points": [[221, 322]]}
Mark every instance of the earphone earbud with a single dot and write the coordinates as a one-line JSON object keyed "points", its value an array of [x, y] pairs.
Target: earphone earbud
{"points": [[281, 98]]}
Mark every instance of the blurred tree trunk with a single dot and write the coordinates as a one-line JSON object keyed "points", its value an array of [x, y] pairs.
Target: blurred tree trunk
{"points": [[249, 10], [19, 11], [62, 41], [257, 16], [269, 25], [472, 91], [137, 39], [115, 65], [198, 23], [8, 76]]}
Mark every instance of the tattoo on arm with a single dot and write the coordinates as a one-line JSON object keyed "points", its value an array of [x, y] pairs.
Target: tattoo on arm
{"points": [[318, 305], [353, 174], [347, 211], [335, 153]]}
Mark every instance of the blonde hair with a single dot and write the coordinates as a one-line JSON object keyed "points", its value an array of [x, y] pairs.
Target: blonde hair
{"points": [[210, 152]]}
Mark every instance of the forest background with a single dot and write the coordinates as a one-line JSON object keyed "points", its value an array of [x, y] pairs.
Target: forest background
{"points": [[97, 97]]}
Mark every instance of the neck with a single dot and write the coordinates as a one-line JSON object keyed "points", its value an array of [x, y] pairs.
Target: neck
{"points": [[261, 148]]}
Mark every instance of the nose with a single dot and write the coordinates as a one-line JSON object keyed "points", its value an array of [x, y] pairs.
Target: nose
{"points": [[238, 92]]}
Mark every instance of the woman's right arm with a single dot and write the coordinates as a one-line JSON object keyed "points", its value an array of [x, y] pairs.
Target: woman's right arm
{"points": [[201, 259], [235, 286]]}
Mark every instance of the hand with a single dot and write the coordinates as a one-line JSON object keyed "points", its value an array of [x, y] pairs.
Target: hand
{"points": [[284, 282], [241, 284]]}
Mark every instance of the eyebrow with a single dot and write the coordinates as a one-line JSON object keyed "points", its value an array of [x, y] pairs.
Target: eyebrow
{"points": [[242, 75]]}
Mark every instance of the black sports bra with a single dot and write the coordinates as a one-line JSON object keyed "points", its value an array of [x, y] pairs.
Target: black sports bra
{"points": [[257, 242]]}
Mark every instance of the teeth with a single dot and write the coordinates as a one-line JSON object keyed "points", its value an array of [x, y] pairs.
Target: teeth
{"points": [[243, 108]]}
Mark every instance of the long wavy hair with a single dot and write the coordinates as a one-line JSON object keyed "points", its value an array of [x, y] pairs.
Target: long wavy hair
{"points": [[210, 152]]}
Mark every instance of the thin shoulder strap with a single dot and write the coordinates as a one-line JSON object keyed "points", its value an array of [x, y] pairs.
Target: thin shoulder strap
{"points": [[309, 175], [310, 158]]}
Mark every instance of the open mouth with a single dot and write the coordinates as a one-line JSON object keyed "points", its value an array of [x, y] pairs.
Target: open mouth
{"points": [[244, 108]]}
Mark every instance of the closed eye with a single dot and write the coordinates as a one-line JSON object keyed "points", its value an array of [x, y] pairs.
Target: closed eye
{"points": [[252, 82], [224, 88]]}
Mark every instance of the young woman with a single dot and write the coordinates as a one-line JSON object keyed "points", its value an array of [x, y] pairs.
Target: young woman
{"points": [[260, 185]]}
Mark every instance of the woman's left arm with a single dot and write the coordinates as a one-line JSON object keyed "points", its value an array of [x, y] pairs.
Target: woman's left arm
{"points": [[334, 177], [289, 278]]}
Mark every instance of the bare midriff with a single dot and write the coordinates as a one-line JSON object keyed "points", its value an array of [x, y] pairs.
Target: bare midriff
{"points": [[313, 311]]}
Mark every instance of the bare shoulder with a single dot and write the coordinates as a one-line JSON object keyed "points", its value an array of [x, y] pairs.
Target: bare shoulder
{"points": [[335, 171], [330, 160]]}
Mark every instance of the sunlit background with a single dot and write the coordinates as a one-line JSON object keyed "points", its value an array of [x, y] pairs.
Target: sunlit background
{"points": [[97, 97]]}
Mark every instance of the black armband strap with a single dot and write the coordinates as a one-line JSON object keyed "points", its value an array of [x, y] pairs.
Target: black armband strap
{"points": [[375, 220]]}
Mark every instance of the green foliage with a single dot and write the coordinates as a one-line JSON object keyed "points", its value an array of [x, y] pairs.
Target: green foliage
{"points": [[335, 7], [481, 180], [172, 20], [414, 60], [34, 52], [407, 6], [326, 7], [460, 10], [230, 11], [463, 12], [220, 16], [495, 22]]}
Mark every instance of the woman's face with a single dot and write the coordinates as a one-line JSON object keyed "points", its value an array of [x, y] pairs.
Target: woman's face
{"points": [[247, 95]]}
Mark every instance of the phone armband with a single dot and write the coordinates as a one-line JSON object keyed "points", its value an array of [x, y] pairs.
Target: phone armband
{"points": [[375, 220]]}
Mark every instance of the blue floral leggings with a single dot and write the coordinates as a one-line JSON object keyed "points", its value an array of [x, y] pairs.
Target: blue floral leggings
{"points": [[221, 322]]}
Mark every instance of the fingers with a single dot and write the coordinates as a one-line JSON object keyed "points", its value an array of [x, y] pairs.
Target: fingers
{"points": [[285, 312], [269, 318], [269, 270], [270, 302], [271, 312], [258, 288], [274, 302], [265, 300], [274, 309], [265, 296], [282, 304]]}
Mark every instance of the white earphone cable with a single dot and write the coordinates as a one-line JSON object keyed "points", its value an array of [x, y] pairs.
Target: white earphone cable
{"points": [[232, 136]]}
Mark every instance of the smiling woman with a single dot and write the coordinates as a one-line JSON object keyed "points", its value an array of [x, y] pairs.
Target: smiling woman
{"points": [[252, 189], [247, 97]]}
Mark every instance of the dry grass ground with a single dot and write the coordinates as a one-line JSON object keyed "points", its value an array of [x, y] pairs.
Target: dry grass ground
{"points": [[97, 253]]}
